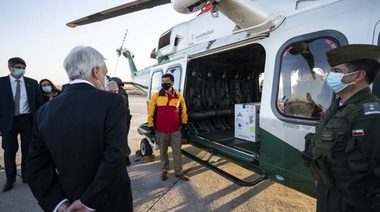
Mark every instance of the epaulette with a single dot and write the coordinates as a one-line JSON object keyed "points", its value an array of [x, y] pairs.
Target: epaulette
{"points": [[371, 108]]}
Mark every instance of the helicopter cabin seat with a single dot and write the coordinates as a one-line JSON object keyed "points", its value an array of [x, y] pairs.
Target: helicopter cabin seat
{"points": [[247, 87], [224, 96], [198, 111], [237, 94], [210, 97]]}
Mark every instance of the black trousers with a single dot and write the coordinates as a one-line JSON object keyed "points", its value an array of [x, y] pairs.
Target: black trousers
{"points": [[22, 125]]}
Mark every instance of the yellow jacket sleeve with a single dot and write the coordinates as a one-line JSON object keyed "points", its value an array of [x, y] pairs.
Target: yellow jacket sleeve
{"points": [[151, 109], [184, 109]]}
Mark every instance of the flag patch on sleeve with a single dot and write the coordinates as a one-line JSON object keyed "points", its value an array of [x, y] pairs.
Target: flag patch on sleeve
{"points": [[358, 132]]}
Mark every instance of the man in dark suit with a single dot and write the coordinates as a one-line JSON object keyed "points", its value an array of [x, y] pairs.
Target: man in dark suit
{"points": [[20, 97], [76, 158], [64, 87], [114, 88]]}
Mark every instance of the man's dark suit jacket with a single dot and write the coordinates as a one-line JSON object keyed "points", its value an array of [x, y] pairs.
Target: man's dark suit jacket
{"points": [[78, 151], [7, 106], [64, 86]]}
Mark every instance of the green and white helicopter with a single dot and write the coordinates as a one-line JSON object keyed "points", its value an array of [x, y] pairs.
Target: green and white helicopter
{"points": [[253, 76]]}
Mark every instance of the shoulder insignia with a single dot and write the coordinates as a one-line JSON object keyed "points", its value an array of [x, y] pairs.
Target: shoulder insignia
{"points": [[357, 132], [371, 108]]}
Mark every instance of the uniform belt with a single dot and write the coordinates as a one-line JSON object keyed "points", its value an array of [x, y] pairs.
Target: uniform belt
{"points": [[22, 115]]}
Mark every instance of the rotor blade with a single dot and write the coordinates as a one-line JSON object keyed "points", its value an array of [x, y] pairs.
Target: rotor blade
{"points": [[117, 62], [118, 11], [122, 44], [120, 50]]}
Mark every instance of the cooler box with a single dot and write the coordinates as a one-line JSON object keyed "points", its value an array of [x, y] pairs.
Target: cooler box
{"points": [[247, 121]]}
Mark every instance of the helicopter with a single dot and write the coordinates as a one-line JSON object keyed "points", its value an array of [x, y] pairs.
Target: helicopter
{"points": [[253, 76]]}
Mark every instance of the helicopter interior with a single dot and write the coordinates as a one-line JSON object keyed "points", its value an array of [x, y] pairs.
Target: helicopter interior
{"points": [[215, 83]]}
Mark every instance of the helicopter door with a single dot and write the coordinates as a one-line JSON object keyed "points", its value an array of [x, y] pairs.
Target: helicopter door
{"points": [[155, 83], [176, 72]]}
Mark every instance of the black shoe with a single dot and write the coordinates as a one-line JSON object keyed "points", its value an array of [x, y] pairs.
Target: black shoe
{"points": [[183, 177], [9, 184], [127, 161], [164, 176]]}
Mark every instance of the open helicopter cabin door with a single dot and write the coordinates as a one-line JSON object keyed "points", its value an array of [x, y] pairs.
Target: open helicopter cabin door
{"points": [[215, 84]]}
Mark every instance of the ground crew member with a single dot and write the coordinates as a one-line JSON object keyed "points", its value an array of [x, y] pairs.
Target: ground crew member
{"points": [[344, 152], [166, 114]]}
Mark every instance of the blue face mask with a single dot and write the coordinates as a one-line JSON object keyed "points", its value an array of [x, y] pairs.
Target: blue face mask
{"points": [[334, 81], [105, 86], [47, 89], [19, 72]]}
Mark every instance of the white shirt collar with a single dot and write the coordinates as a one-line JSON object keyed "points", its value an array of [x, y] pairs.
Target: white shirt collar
{"points": [[14, 79], [76, 81]]}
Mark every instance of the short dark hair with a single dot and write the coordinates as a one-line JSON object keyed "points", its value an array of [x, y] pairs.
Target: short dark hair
{"points": [[370, 66], [168, 76], [16, 60]]}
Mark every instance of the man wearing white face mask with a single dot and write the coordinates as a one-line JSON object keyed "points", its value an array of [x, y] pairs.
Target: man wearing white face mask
{"points": [[77, 155], [344, 152], [20, 97]]}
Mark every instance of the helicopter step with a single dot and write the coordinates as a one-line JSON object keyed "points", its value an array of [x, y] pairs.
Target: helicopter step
{"points": [[238, 151], [207, 164], [219, 143]]}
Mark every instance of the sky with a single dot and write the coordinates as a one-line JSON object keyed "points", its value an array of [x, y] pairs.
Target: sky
{"points": [[36, 31]]}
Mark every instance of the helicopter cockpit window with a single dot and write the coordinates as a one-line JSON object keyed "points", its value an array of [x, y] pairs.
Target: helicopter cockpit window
{"points": [[156, 82], [302, 89], [164, 40], [176, 72]]}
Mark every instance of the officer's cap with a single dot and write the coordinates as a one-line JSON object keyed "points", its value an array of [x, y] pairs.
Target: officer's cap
{"points": [[352, 52]]}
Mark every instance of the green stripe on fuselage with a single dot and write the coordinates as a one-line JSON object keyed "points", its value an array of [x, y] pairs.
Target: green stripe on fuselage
{"points": [[283, 163]]}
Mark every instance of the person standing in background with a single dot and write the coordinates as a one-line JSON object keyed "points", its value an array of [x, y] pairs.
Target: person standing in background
{"points": [[114, 88], [48, 90], [122, 91], [20, 97]]}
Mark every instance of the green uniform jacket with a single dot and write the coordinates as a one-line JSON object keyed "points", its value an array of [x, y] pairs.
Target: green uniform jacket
{"points": [[344, 153]]}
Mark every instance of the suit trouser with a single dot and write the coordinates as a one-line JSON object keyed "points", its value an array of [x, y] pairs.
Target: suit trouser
{"points": [[22, 125], [128, 127], [174, 140]]}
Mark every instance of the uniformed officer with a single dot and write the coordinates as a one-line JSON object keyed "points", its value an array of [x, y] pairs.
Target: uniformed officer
{"points": [[344, 152]]}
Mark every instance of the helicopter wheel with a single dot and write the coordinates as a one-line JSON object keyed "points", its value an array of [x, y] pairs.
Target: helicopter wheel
{"points": [[145, 147]]}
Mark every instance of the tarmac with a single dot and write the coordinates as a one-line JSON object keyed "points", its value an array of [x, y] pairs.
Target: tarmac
{"points": [[206, 191]]}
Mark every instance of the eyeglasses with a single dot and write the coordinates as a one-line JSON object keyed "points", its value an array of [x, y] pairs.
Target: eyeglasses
{"points": [[19, 67]]}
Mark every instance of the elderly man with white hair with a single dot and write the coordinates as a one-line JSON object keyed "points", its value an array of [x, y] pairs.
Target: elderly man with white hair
{"points": [[76, 160]]}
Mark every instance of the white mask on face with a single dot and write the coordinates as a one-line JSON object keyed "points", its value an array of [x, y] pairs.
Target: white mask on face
{"points": [[334, 81], [19, 72], [47, 89], [105, 86]]}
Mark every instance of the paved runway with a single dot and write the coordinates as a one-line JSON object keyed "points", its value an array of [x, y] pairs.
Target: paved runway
{"points": [[206, 191]]}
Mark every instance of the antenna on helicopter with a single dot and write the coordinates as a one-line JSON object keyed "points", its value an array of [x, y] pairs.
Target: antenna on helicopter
{"points": [[119, 50]]}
